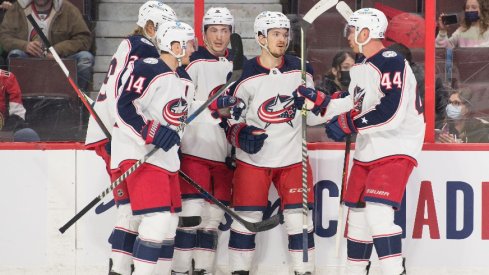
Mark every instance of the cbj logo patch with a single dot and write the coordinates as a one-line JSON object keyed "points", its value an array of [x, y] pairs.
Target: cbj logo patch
{"points": [[279, 109], [175, 111]]}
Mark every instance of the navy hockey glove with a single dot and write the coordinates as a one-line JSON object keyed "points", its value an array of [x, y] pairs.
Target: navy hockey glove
{"points": [[340, 126], [249, 138], [227, 106], [319, 99], [159, 135]]}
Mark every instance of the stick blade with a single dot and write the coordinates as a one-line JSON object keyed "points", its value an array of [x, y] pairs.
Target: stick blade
{"points": [[265, 224], [318, 9], [237, 46], [344, 10]]}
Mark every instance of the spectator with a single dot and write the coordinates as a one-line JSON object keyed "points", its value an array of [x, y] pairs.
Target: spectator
{"points": [[441, 93], [61, 22], [338, 77], [460, 124], [473, 31], [12, 111]]}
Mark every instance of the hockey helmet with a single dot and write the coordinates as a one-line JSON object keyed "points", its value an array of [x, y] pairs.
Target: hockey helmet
{"points": [[174, 31], [270, 20], [157, 12], [369, 18], [218, 16]]}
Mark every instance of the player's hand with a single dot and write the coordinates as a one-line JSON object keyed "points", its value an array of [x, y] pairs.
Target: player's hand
{"points": [[249, 138], [159, 135], [340, 126], [34, 48], [227, 106], [319, 99]]}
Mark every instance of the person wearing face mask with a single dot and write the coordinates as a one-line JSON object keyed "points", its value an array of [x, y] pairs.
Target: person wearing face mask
{"points": [[460, 125], [338, 77], [473, 31]]}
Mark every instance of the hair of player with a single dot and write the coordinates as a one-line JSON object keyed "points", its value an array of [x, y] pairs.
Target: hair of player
{"points": [[483, 14], [139, 30]]}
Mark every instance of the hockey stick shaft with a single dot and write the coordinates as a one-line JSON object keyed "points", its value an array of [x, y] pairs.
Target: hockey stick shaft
{"points": [[318, 9], [236, 44], [344, 10], [253, 227], [83, 97], [344, 178]]}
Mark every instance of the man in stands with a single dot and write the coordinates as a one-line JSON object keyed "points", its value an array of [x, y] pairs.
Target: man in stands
{"points": [[63, 25]]}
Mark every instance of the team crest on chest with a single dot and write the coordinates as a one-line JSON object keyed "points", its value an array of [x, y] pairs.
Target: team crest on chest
{"points": [[359, 95], [175, 111], [278, 109]]}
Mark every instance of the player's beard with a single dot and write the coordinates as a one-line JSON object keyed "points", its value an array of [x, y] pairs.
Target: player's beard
{"points": [[278, 52]]}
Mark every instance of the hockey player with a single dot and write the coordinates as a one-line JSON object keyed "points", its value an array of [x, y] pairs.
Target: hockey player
{"points": [[205, 148], [140, 44], [388, 120], [268, 140], [152, 103]]}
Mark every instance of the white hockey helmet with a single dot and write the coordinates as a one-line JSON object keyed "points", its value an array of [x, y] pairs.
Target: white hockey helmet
{"points": [[218, 16], [174, 31], [157, 12], [270, 20], [369, 18]]}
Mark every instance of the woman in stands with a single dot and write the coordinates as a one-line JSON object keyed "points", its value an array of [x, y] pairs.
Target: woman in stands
{"points": [[473, 30], [461, 125], [338, 77]]}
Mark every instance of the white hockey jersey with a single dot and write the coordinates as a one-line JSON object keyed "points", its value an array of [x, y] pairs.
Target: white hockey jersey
{"points": [[390, 119], [267, 94], [152, 92], [130, 50], [204, 138]]}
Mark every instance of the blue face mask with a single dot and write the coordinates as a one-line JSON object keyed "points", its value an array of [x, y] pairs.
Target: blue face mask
{"points": [[472, 16], [454, 112]]}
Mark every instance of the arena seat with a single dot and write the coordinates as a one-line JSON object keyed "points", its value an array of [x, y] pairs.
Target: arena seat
{"points": [[53, 108], [480, 97], [472, 64]]}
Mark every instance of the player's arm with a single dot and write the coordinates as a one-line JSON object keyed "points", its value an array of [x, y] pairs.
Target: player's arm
{"points": [[388, 114]]}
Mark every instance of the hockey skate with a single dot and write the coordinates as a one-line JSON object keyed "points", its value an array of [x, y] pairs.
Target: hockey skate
{"points": [[306, 273], [240, 272]]}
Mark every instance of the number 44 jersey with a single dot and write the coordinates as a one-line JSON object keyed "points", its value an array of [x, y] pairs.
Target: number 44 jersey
{"points": [[388, 109]]}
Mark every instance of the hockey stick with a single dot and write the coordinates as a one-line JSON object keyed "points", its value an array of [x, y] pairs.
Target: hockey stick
{"points": [[253, 227], [237, 45], [305, 23], [346, 12], [83, 97]]}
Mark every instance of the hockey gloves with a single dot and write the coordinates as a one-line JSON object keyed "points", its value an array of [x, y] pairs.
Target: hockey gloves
{"points": [[159, 135], [340, 94], [227, 106], [319, 99], [340, 126], [249, 138]]}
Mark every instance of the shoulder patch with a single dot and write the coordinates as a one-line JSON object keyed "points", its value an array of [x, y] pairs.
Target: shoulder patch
{"points": [[150, 60], [389, 54], [146, 41]]}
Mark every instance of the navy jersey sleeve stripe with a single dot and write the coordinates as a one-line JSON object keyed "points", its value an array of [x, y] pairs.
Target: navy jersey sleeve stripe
{"points": [[392, 80]]}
